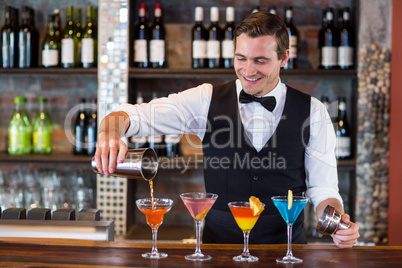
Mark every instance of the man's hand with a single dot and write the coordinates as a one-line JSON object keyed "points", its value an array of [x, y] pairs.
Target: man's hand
{"points": [[110, 149], [346, 238]]}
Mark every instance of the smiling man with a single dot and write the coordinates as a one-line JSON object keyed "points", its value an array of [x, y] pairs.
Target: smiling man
{"points": [[260, 137]]}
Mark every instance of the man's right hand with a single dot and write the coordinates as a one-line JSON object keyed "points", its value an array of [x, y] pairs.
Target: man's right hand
{"points": [[110, 149]]}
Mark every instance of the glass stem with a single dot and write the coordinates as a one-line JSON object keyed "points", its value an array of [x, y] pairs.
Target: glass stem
{"points": [[289, 252], [154, 239], [198, 237], [246, 252]]}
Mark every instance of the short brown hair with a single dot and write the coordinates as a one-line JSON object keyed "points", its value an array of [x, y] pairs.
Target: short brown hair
{"points": [[264, 23]]}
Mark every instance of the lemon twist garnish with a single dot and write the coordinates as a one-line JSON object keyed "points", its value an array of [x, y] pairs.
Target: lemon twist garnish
{"points": [[256, 205], [202, 215], [290, 199]]}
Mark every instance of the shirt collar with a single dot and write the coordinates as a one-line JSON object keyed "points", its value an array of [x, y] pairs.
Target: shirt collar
{"points": [[277, 92]]}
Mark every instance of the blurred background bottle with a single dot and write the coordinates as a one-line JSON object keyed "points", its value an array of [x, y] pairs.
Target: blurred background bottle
{"points": [[69, 42], [328, 41], [346, 41], [42, 130], [141, 39], [80, 126], [19, 129], [9, 38], [50, 46], [28, 40], [227, 39], [78, 33], [343, 133], [157, 44], [272, 10], [139, 142], [89, 42], [293, 39], [199, 40], [214, 40], [92, 128]]}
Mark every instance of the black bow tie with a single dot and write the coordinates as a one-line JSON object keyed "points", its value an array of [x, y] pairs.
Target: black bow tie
{"points": [[268, 102]]}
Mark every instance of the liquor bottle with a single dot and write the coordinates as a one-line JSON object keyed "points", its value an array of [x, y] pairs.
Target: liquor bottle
{"points": [[42, 130], [199, 40], [156, 142], [293, 39], [57, 24], [272, 10], [80, 125], [69, 42], [157, 44], [343, 134], [227, 42], [214, 40], [328, 41], [347, 42], [9, 39], [139, 142], [141, 39], [50, 46], [89, 42], [78, 33], [91, 129], [19, 130], [25, 40]]}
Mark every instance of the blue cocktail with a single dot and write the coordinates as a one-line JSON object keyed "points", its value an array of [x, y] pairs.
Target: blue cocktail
{"points": [[289, 214]]}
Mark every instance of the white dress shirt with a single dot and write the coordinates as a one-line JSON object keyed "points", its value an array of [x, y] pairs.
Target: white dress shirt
{"points": [[187, 112]]}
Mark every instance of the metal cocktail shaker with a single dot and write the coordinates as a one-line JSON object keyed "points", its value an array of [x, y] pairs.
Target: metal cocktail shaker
{"points": [[138, 164], [330, 221]]}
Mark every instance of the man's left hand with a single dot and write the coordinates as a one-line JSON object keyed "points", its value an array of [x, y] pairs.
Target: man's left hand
{"points": [[346, 238]]}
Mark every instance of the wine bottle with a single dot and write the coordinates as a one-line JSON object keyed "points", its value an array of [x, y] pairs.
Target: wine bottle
{"points": [[227, 42], [57, 24], [42, 130], [272, 10], [25, 40], [89, 42], [157, 44], [9, 39], [293, 39], [50, 46], [347, 42], [91, 129], [78, 33], [141, 39], [139, 142], [214, 40], [69, 42], [343, 134], [199, 40], [255, 9], [19, 130], [328, 40], [80, 126], [34, 59]]}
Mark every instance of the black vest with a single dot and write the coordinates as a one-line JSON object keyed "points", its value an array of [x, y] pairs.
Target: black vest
{"points": [[234, 170]]}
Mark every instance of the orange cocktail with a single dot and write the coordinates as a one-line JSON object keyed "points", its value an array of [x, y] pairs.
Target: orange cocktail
{"points": [[154, 216], [244, 217]]}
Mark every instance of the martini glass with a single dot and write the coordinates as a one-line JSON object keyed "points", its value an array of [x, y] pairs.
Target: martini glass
{"points": [[198, 204], [290, 216], [154, 209], [245, 219]]}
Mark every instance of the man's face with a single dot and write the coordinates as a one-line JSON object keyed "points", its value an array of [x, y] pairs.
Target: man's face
{"points": [[256, 63]]}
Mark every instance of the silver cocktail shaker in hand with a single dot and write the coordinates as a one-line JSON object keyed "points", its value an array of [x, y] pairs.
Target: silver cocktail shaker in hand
{"points": [[330, 221], [138, 164]]}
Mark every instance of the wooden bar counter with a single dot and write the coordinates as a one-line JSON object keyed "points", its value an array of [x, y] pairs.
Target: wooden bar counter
{"points": [[48, 252]]}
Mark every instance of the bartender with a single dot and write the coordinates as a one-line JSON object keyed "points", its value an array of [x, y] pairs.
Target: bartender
{"points": [[260, 137]]}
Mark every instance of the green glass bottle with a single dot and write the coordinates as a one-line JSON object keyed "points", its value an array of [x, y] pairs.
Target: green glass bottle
{"points": [[19, 130], [89, 42], [42, 130], [78, 34], [50, 46], [69, 42]]}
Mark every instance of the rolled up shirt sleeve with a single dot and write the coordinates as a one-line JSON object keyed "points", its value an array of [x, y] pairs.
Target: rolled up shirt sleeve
{"points": [[320, 161], [182, 113]]}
